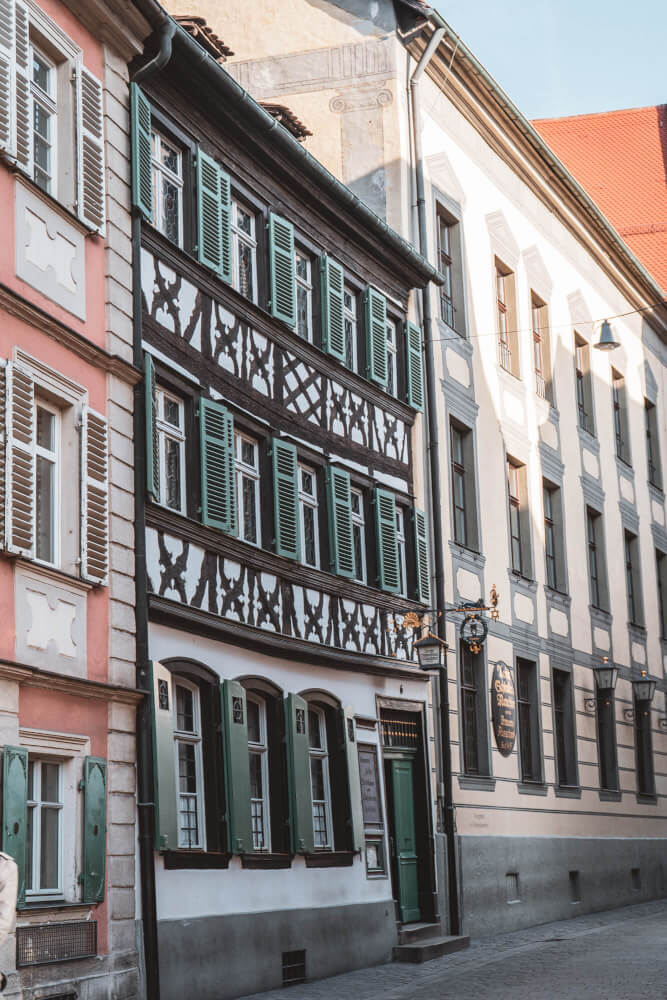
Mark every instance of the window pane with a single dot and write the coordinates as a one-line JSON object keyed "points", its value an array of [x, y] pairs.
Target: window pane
{"points": [[317, 777], [173, 473], [358, 539], [187, 771], [302, 312], [171, 411], [50, 782], [256, 783], [249, 509], [244, 221], [50, 848], [320, 834], [41, 73], [170, 209], [247, 452], [302, 269], [309, 550], [254, 730], [184, 710], [46, 429], [171, 159], [188, 821], [314, 735], [246, 287], [30, 832], [41, 122], [44, 499]]}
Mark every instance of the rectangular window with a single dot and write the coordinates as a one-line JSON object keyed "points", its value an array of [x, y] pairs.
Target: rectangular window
{"points": [[596, 559], [44, 837], [44, 111], [644, 748], [392, 359], [47, 483], [304, 296], [519, 522], [458, 486], [508, 344], [652, 445], [447, 308], [661, 571], [606, 717], [247, 488], [541, 349], [584, 390], [188, 739], [553, 537], [170, 426], [632, 579], [319, 779], [473, 717], [351, 331], [244, 251], [167, 178], [358, 534], [528, 711], [308, 519], [400, 544], [564, 731], [258, 751], [620, 416]]}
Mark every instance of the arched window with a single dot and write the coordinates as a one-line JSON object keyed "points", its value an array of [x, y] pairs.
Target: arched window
{"points": [[258, 751], [189, 770], [320, 781]]}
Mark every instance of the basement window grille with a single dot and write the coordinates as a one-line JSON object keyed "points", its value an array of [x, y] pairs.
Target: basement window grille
{"points": [[294, 967], [400, 732], [43, 944], [512, 887]]}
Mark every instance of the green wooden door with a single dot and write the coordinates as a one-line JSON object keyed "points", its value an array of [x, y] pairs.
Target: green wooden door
{"points": [[405, 839]]}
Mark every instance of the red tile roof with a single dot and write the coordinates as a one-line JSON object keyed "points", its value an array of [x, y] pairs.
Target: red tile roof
{"points": [[620, 159]]}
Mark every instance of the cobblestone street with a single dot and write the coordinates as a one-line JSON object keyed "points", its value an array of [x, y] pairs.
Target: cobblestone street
{"points": [[616, 955]]}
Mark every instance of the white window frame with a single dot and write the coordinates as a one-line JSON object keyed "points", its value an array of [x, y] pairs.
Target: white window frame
{"points": [[392, 358], [309, 500], [193, 738], [400, 544], [306, 284], [261, 749], [243, 471], [321, 753], [48, 102], [248, 240], [55, 458], [160, 173], [350, 323], [359, 522], [165, 430], [57, 892]]}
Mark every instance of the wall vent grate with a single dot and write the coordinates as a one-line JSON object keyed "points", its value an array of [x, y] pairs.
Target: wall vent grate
{"points": [[512, 887], [294, 967], [41, 944]]}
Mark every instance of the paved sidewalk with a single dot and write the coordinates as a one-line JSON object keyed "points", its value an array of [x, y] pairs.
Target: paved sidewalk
{"points": [[615, 955]]}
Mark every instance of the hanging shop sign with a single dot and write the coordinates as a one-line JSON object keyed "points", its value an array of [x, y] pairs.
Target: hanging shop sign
{"points": [[473, 632], [503, 708]]}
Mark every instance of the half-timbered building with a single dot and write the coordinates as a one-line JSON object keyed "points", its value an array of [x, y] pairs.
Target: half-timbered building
{"points": [[283, 534]]}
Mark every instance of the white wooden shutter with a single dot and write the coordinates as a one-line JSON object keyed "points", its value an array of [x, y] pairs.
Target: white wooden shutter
{"points": [[3, 442], [90, 148], [94, 497], [20, 461], [23, 125], [7, 20]]}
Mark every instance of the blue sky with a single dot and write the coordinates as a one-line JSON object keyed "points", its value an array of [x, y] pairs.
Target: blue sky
{"points": [[570, 57]]}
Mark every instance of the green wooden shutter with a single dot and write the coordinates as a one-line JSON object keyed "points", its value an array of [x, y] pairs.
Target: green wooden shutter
{"points": [[333, 317], [15, 809], [282, 268], [285, 499], [218, 489], [355, 816], [142, 180], [209, 217], [415, 366], [164, 766], [236, 767], [421, 557], [152, 443], [226, 226], [387, 542], [298, 775], [339, 503], [94, 828], [376, 336]]}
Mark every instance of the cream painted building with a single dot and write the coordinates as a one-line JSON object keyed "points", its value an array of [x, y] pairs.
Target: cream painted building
{"points": [[550, 450]]}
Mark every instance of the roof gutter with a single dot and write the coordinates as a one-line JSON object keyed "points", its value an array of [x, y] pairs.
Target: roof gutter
{"points": [[655, 292]]}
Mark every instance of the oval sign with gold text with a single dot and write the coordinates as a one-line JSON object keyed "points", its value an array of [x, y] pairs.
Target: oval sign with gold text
{"points": [[503, 708]]}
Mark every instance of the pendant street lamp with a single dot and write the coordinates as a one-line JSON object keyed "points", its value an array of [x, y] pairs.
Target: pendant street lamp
{"points": [[606, 675], [644, 687], [606, 341], [431, 652]]}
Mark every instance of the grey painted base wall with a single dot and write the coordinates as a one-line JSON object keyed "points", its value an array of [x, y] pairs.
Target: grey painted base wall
{"points": [[223, 957], [545, 889]]}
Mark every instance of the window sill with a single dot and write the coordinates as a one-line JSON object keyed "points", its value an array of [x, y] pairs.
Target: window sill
{"points": [[567, 791], [50, 199], [532, 788], [330, 859], [625, 467], [257, 861], [647, 798], [600, 614], [636, 630], [506, 371], [610, 795], [53, 573], [477, 783], [51, 906], [195, 859]]}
